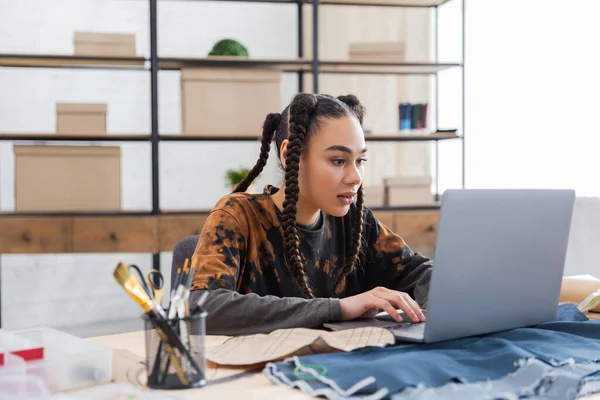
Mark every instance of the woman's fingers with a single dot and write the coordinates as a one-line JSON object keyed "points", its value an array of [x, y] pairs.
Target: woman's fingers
{"points": [[387, 306], [403, 302], [412, 309], [369, 303]]}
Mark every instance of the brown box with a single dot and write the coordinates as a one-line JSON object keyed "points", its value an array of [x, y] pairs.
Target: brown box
{"points": [[374, 196], [228, 101], [81, 118], [390, 52], [409, 190], [99, 44], [67, 178]]}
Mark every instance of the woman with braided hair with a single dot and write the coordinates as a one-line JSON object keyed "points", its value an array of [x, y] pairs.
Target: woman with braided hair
{"points": [[308, 252]]}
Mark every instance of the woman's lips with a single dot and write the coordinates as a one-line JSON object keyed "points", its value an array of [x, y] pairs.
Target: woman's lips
{"points": [[346, 198]]}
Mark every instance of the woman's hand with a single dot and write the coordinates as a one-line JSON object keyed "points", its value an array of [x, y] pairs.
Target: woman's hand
{"points": [[371, 303]]}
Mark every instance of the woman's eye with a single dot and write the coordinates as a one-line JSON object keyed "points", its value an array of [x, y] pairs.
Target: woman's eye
{"points": [[362, 161], [338, 161]]}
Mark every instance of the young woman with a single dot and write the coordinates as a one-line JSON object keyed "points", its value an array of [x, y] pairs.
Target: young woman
{"points": [[309, 252]]}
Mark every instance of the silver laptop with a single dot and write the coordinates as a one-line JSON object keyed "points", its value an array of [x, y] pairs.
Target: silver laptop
{"points": [[499, 261]]}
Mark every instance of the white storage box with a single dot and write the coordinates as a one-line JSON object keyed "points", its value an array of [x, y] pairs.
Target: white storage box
{"points": [[20, 346], [68, 363]]}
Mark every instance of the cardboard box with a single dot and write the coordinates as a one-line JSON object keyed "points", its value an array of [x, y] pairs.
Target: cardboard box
{"points": [[67, 178], [374, 196], [409, 190], [99, 44], [228, 101], [386, 52], [81, 118]]}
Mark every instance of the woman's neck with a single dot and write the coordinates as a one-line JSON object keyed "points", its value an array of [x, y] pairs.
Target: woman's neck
{"points": [[306, 213]]}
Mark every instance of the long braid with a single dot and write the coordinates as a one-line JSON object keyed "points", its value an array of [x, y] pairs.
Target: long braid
{"points": [[269, 126], [301, 110], [355, 253]]}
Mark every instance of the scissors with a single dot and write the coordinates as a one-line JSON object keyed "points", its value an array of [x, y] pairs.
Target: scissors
{"points": [[153, 283]]}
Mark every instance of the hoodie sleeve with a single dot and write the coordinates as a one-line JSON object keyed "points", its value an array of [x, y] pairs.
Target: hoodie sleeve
{"points": [[231, 313], [391, 263]]}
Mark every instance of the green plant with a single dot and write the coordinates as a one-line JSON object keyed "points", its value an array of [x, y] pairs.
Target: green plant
{"points": [[235, 176], [229, 47]]}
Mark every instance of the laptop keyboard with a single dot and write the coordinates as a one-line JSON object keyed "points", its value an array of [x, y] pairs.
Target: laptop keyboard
{"points": [[408, 327]]}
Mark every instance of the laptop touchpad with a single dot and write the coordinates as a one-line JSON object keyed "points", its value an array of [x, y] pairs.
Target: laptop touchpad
{"points": [[384, 316]]}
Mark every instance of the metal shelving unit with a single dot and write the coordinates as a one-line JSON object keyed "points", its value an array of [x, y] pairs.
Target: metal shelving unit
{"points": [[154, 63], [302, 65]]}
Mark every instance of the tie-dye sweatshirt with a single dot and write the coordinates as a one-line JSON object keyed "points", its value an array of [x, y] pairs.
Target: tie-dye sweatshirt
{"points": [[240, 260]]}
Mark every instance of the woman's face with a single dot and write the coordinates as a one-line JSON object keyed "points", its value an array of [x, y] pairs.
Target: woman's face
{"points": [[332, 167]]}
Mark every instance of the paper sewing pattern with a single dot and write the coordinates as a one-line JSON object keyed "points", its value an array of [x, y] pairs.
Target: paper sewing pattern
{"points": [[283, 343]]}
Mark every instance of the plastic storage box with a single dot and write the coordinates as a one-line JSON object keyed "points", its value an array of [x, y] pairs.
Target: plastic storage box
{"points": [[20, 346], [68, 363]]}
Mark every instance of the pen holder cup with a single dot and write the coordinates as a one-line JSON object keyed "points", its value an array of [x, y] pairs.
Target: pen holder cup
{"points": [[175, 357]]}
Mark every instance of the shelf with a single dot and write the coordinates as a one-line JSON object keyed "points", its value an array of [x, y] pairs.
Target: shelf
{"points": [[287, 65], [386, 3], [206, 138], [185, 212], [399, 137], [433, 206], [416, 207], [408, 68], [164, 213], [395, 137], [304, 65], [71, 61], [53, 137], [178, 63], [382, 3], [37, 214]]}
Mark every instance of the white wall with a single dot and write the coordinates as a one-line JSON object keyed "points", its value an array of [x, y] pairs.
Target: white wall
{"points": [[531, 105], [532, 94], [67, 289], [582, 255]]}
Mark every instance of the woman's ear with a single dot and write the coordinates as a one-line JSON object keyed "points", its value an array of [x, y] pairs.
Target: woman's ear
{"points": [[283, 152]]}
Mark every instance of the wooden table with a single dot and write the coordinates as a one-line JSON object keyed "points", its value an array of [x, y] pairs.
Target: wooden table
{"points": [[254, 386]]}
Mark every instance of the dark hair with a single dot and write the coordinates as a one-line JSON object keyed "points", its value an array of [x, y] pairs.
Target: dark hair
{"points": [[300, 120]]}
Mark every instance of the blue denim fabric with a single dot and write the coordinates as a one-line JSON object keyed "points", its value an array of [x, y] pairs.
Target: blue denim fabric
{"points": [[382, 372]]}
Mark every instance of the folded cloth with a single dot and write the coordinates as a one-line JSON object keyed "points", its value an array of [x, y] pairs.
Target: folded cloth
{"points": [[560, 358]]}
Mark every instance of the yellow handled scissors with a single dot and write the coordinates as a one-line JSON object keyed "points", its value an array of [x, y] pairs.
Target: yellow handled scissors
{"points": [[155, 280], [153, 283]]}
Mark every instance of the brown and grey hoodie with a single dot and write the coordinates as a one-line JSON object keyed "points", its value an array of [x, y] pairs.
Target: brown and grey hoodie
{"points": [[240, 260]]}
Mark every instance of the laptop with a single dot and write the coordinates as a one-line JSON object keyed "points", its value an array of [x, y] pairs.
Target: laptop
{"points": [[498, 264]]}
